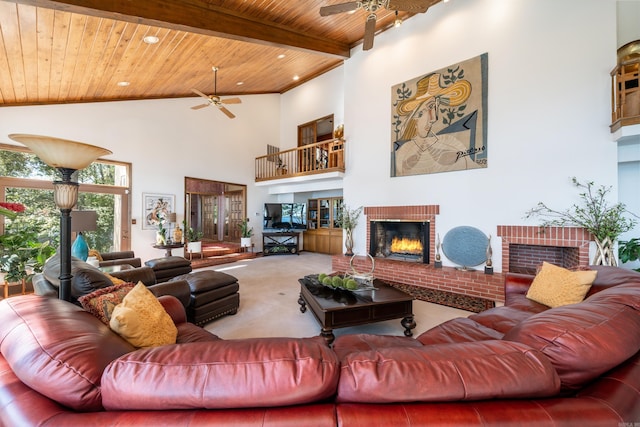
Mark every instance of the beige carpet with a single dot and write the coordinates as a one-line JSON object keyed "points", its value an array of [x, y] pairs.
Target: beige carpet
{"points": [[269, 292]]}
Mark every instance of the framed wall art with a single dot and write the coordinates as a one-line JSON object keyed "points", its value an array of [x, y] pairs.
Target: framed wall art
{"points": [[439, 120], [156, 208]]}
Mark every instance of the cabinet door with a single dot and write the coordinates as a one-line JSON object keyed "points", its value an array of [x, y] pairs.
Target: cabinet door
{"points": [[325, 213], [312, 214], [309, 241], [336, 211]]}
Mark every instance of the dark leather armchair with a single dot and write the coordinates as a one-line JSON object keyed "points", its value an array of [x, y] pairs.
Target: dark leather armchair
{"points": [[119, 258]]}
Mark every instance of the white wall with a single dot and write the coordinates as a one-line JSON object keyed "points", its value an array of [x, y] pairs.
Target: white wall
{"points": [[548, 109], [165, 141], [324, 95]]}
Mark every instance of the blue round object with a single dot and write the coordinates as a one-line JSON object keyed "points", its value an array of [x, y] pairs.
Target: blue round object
{"points": [[466, 246]]}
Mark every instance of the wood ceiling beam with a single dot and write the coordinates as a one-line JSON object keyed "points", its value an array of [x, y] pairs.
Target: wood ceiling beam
{"points": [[197, 16]]}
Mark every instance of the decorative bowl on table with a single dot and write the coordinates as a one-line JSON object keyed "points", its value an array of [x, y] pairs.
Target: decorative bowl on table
{"points": [[343, 282]]}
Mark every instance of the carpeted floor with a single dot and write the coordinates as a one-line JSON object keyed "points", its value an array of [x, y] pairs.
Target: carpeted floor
{"points": [[269, 292]]}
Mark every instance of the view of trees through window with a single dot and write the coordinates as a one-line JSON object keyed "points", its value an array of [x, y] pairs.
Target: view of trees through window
{"points": [[25, 179]]}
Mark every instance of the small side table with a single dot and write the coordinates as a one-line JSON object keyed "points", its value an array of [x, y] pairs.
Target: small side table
{"points": [[168, 247]]}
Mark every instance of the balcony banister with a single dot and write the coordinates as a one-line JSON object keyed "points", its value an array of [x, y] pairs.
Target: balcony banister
{"points": [[321, 157]]}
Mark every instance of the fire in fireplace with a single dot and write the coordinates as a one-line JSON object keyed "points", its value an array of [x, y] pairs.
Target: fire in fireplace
{"points": [[400, 240]]}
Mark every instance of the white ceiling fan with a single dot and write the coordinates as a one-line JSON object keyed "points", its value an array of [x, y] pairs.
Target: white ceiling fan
{"points": [[371, 7], [215, 99]]}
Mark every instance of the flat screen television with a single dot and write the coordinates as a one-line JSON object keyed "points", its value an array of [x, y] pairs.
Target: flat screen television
{"points": [[285, 216]]}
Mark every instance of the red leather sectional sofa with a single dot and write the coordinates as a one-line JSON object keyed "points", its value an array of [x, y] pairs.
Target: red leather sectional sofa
{"points": [[521, 364]]}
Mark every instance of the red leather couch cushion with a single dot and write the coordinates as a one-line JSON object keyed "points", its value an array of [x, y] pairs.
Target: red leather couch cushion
{"points": [[587, 339], [257, 372], [461, 329], [446, 372], [58, 349]]}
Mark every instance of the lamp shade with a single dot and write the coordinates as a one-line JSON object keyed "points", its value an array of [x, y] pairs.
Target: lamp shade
{"points": [[61, 153], [172, 217], [84, 221]]}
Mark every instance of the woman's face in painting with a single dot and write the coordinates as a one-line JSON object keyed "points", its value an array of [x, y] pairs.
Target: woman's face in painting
{"points": [[426, 116]]}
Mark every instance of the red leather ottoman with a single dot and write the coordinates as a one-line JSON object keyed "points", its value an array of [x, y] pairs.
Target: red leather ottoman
{"points": [[213, 294]]}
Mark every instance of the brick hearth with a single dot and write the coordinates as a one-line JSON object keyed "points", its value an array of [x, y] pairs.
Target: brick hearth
{"points": [[539, 247]]}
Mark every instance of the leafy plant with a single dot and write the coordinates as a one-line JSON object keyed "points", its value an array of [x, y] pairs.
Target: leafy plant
{"points": [[594, 214], [191, 235], [348, 218], [23, 252], [245, 230], [629, 250]]}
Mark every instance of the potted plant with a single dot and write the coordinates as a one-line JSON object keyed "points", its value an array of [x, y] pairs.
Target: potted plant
{"points": [[22, 253], [348, 220], [603, 221], [629, 251], [193, 238], [245, 233]]}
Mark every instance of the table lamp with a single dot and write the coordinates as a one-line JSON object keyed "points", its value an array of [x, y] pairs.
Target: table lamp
{"points": [[82, 221], [171, 219], [66, 156]]}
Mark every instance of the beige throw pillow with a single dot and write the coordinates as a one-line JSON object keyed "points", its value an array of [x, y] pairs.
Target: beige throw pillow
{"points": [[555, 286], [141, 319]]}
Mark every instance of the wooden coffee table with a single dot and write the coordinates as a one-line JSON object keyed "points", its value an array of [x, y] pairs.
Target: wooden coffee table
{"points": [[336, 308]]}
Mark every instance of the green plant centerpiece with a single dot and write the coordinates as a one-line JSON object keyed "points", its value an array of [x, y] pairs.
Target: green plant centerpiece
{"points": [[348, 220], [604, 221]]}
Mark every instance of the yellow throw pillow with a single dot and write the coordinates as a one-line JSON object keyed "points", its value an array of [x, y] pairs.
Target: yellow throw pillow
{"points": [[555, 286], [115, 280], [141, 319]]}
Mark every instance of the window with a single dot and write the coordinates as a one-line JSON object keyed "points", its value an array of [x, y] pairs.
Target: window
{"points": [[104, 187]]}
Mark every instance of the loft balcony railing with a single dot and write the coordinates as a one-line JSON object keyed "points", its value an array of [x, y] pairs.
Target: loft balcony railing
{"points": [[321, 157], [625, 93]]}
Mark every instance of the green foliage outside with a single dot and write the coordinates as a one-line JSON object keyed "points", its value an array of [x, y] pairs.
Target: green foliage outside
{"points": [[34, 235]]}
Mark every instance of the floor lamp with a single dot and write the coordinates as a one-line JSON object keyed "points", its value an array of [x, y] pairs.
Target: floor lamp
{"points": [[68, 157]]}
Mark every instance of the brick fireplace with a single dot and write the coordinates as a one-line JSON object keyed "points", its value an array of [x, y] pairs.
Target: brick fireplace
{"points": [[523, 249]]}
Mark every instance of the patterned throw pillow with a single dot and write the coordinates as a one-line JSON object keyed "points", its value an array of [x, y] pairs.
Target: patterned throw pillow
{"points": [[115, 280], [101, 302], [555, 286], [142, 320]]}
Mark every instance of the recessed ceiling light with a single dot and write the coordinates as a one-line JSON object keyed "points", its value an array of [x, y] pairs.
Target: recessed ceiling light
{"points": [[282, 55], [296, 77], [123, 84], [239, 83], [151, 39]]}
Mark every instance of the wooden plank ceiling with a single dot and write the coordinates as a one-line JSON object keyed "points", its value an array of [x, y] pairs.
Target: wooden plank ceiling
{"points": [[66, 51]]}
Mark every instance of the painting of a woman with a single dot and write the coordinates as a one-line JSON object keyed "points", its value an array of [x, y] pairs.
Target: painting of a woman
{"points": [[435, 129]]}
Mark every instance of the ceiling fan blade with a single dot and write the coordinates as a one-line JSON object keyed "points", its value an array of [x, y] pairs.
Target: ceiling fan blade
{"points": [[339, 8], [231, 101], [197, 107], [369, 32], [197, 92], [413, 6], [227, 112]]}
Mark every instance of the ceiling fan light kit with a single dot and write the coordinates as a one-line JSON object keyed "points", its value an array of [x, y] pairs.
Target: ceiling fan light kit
{"points": [[371, 7], [215, 99]]}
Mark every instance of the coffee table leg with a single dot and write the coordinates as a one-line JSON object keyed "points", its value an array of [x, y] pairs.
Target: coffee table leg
{"points": [[303, 304], [408, 323], [327, 334]]}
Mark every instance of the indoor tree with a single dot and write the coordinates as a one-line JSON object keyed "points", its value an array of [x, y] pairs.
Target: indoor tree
{"points": [[604, 221]]}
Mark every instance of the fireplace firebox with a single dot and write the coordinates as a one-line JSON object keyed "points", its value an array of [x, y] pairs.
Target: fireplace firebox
{"points": [[400, 240]]}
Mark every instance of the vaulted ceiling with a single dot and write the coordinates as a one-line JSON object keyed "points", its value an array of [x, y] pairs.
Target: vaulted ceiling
{"points": [[64, 51]]}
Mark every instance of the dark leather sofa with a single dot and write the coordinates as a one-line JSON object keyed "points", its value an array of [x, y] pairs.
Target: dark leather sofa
{"points": [[521, 364]]}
